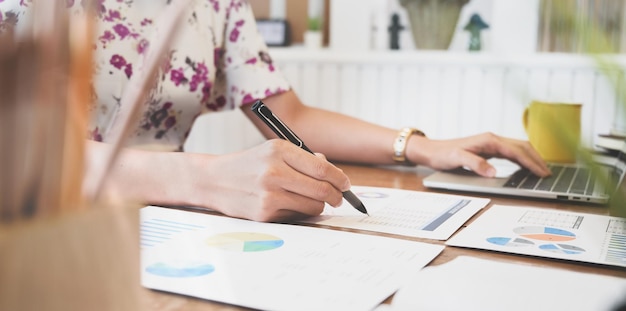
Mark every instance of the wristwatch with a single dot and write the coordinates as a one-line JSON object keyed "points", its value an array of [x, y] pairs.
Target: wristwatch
{"points": [[400, 143]]}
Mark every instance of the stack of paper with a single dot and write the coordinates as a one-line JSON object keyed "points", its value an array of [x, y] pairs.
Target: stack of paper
{"points": [[548, 233], [610, 142], [468, 283], [403, 212], [273, 266]]}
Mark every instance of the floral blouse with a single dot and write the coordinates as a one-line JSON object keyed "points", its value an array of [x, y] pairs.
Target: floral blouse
{"points": [[218, 61]]}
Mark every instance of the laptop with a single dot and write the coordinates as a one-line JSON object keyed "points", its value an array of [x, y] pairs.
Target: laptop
{"points": [[569, 182]]}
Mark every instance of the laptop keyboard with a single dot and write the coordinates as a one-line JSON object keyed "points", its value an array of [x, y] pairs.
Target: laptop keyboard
{"points": [[564, 179]]}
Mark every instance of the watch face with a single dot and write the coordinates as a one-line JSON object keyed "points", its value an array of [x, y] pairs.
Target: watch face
{"points": [[274, 32], [398, 148]]}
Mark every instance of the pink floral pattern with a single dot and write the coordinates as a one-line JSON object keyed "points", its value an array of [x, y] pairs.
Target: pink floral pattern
{"points": [[217, 62]]}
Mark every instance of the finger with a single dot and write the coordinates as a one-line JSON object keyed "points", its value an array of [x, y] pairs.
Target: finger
{"points": [[317, 190], [477, 164], [529, 158], [292, 176], [285, 205], [518, 151], [317, 168], [322, 156], [539, 165], [285, 215], [303, 173]]}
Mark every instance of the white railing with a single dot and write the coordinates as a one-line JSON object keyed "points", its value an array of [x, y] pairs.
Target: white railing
{"points": [[445, 94]]}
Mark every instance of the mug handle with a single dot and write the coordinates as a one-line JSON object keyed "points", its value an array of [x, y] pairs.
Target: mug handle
{"points": [[525, 120]]}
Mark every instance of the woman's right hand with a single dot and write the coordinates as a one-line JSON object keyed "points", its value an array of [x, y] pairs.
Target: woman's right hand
{"points": [[271, 182]]}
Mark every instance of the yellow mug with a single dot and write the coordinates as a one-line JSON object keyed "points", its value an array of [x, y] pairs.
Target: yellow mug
{"points": [[553, 129]]}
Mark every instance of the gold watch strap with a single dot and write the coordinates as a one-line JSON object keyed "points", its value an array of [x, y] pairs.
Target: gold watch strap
{"points": [[400, 143]]}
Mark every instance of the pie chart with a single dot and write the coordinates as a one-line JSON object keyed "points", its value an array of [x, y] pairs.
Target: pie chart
{"points": [[513, 242], [245, 241], [545, 233], [562, 249], [180, 270]]}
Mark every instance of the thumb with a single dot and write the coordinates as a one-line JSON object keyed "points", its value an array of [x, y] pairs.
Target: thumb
{"points": [[478, 164]]}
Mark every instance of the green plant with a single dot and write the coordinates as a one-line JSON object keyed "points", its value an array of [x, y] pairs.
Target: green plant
{"points": [[596, 44], [433, 22], [314, 24]]}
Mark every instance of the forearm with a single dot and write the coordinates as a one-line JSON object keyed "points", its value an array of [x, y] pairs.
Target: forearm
{"points": [[275, 180], [339, 137], [146, 177], [343, 138]]}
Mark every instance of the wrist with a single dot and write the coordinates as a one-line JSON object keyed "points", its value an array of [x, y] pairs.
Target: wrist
{"points": [[156, 177], [401, 145], [151, 177], [416, 150]]}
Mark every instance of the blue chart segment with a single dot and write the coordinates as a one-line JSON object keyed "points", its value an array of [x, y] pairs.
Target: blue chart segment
{"points": [[455, 208], [245, 241], [180, 270], [562, 249], [511, 242], [156, 231], [616, 251]]}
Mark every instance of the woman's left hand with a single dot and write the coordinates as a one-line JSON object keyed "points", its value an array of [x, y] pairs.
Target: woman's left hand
{"points": [[472, 152]]}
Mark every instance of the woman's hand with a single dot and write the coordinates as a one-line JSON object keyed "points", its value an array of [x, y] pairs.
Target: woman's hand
{"points": [[472, 152], [271, 182]]}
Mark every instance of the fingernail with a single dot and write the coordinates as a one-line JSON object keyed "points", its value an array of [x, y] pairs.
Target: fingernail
{"points": [[491, 172]]}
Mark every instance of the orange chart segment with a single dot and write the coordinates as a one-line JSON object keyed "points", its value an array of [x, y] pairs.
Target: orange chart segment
{"points": [[545, 233], [245, 241]]}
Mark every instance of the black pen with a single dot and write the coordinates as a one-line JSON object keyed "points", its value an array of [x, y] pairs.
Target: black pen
{"points": [[284, 132]]}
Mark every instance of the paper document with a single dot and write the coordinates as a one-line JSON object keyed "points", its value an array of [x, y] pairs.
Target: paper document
{"points": [[403, 212], [547, 233], [467, 283], [273, 266]]}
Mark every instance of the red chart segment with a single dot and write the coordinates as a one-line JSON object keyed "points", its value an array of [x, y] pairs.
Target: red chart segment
{"points": [[545, 233]]}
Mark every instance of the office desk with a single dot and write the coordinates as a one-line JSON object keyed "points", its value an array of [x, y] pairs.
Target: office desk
{"points": [[411, 178]]}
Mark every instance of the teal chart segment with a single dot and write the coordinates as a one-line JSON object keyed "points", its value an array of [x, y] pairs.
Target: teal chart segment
{"points": [[245, 241]]}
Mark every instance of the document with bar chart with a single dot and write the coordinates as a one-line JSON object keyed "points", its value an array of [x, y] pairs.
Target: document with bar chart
{"points": [[547, 233], [271, 266], [403, 212]]}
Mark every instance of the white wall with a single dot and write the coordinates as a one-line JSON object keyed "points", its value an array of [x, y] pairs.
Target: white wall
{"points": [[359, 25], [512, 24], [445, 94]]}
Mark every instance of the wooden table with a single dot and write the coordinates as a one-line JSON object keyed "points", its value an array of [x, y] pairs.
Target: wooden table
{"points": [[411, 178]]}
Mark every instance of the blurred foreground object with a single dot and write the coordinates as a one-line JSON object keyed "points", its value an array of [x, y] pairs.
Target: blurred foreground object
{"points": [[87, 260], [562, 24], [58, 251], [44, 81]]}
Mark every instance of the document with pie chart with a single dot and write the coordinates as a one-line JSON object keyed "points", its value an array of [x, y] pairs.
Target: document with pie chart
{"points": [[547, 233], [270, 266]]}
